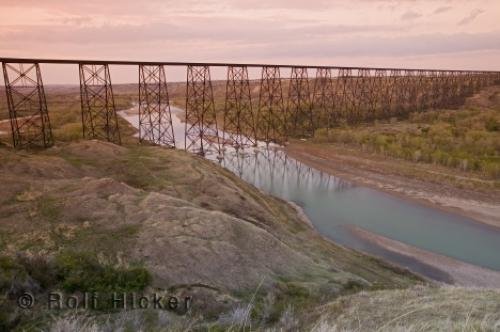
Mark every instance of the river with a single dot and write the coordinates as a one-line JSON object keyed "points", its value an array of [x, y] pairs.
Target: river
{"points": [[334, 206]]}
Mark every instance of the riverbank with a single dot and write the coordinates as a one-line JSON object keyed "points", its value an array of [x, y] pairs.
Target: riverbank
{"points": [[441, 188], [461, 273]]}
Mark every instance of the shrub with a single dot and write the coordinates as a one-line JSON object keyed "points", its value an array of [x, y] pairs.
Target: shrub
{"points": [[491, 168], [492, 124], [82, 272]]}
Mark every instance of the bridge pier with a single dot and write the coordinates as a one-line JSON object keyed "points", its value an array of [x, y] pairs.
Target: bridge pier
{"points": [[272, 114], [323, 101], [201, 133], [343, 103], [377, 90], [28, 114], [239, 122], [155, 116], [299, 103], [99, 118]]}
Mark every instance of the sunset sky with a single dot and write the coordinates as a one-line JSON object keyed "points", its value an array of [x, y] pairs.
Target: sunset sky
{"points": [[407, 33]]}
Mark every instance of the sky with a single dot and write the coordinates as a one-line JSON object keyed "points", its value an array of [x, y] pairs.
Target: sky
{"points": [[448, 34]]}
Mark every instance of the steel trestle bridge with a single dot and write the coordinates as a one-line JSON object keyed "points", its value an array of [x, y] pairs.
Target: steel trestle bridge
{"points": [[271, 108]]}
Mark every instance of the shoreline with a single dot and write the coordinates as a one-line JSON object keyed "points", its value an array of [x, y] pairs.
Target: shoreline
{"points": [[481, 212], [462, 273]]}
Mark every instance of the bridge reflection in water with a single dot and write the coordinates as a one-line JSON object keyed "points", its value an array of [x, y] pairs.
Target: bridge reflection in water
{"points": [[273, 171]]}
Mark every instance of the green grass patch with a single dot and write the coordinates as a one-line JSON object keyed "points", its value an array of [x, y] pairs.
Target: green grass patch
{"points": [[70, 271], [82, 272], [48, 208]]}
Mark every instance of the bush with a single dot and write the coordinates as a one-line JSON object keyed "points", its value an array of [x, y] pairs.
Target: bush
{"points": [[492, 124], [82, 272], [491, 168], [10, 270], [70, 271]]}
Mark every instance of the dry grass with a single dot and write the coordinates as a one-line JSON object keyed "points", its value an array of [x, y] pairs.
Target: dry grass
{"points": [[417, 309], [414, 309]]}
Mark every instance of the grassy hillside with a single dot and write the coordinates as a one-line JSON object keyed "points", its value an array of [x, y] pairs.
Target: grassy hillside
{"points": [[93, 216]]}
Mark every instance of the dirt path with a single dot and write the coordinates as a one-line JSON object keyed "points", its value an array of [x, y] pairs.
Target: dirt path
{"points": [[428, 184]]}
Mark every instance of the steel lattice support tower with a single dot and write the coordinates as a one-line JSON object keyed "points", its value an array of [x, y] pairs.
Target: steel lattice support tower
{"points": [[444, 90], [201, 133], [351, 87], [421, 93], [155, 117], [323, 101], [343, 104], [398, 101], [430, 93], [29, 117], [391, 93], [299, 103], [471, 83], [381, 91], [477, 83], [271, 122], [359, 95], [414, 90], [99, 118], [454, 90], [481, 81], [239, 123], [465, 88], [372, 94], [409, 101], [351, 97]]}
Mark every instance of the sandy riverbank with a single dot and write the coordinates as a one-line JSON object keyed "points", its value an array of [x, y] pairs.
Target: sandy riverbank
{"points": [[378, 174], [462, 274]]}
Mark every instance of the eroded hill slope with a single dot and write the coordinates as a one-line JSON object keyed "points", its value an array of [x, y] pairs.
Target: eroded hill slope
{"points": [[197, 229]]}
